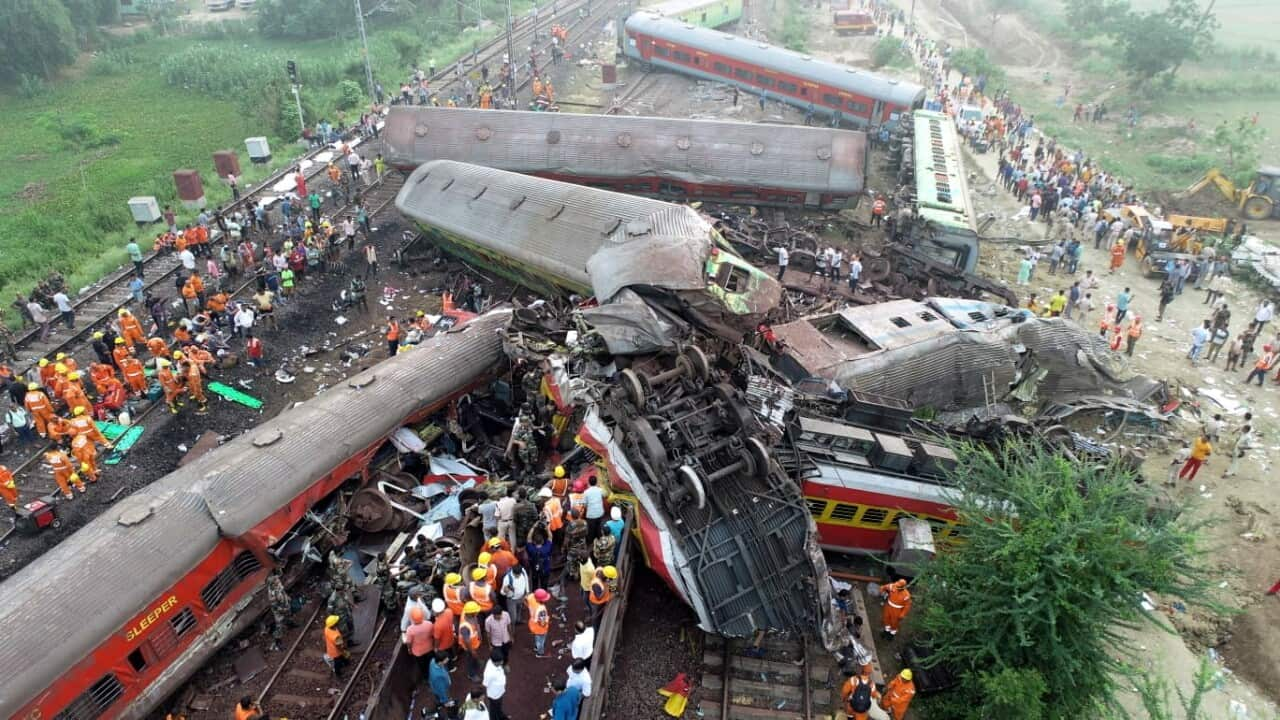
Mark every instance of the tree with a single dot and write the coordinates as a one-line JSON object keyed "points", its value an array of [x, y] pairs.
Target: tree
{"points": [[1056, 554], [1091, 18], [36, 38], [304, 19], [999, 8], [1154, 45], [1241, 141], [975, 63]]}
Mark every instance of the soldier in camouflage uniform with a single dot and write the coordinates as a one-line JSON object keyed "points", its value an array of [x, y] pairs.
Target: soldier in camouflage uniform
{"points": [[525, 440], [382, 576], [339, 604], [602, 550], [576, 548], [281, 608], [525, 515]]}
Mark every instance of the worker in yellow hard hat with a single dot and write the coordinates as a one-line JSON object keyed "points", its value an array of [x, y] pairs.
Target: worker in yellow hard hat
{"points": [[480, 590], [602, 589], [898, 694], [335, 646], [47, 372], [454, 593], [469, 638]]}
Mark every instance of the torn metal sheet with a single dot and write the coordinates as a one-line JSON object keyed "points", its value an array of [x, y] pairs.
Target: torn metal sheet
{"points": [[630, 326]]}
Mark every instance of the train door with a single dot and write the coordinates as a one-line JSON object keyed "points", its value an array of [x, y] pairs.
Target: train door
{"points": [[877, 112], [812, 199]]}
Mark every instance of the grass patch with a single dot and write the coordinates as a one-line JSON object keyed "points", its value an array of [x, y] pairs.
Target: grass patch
{"points": [[82, 146], [888, 52]]}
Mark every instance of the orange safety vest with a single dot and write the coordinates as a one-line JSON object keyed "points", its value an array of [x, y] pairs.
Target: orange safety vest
{"points": [[559, 486], [1264, 362], [250, 714], [553, 513], [1135, 331], [481, 593], [454, 598], [468, 633], [59, 461], [539, 619], [332, 638], [393, 331]]}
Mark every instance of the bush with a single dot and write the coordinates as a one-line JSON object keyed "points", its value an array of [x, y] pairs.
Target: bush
{"points": [[408, 48], [1179, 163], [106, 219], [975, 62], [117, 61], [30, 86], [78, 131], [887, 51], [795, 28], [349, 95]]}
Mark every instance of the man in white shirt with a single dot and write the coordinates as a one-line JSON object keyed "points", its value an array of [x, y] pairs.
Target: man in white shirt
{"points": [[580, 677], [784, 257], [64, 306], [855, 272], [584, 642], [594, 499], [243, 319], [495, 685], [188, 259]]}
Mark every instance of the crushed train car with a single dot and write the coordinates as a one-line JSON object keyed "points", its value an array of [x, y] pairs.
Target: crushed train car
{"points": [[685, 160], [559, 238]]}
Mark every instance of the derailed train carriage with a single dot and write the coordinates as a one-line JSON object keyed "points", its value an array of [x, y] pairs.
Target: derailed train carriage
{"points": [[712, 160], [116, 617], [558, 238]]}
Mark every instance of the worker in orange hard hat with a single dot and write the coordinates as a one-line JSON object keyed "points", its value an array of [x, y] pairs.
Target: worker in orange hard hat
{"points": [[897, 605], [8, 488], [898, 694], [335, 646], [37, 403]]}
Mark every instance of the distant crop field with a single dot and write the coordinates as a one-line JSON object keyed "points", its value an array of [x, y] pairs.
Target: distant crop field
{"points": [[1244, 22]]}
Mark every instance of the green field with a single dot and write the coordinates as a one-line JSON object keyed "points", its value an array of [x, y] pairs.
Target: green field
{"points": [[113, 127], [1244, 22]]}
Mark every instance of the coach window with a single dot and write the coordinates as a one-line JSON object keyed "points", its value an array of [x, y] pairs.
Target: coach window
{"points": [[683, 57], [804, 91], [787, 87], [764, 80], [833, 100], [137, 660], [244, 565], [722, 68], [742, 74], [857, 107], [95, 701], [659, 50]]}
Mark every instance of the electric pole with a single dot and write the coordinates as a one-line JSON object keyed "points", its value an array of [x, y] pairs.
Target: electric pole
{"points": [[368, 71], [511, 58]]}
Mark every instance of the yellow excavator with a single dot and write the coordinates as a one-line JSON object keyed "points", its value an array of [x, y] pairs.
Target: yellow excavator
{"points": [[1259, 201]]}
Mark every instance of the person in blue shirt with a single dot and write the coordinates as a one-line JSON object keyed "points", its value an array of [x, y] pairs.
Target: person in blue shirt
{"points": [[565, 706], [1122, 304], [615, 524], [438, 678]]}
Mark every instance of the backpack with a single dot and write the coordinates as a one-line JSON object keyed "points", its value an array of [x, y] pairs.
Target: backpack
{"points": [[860, 698]]}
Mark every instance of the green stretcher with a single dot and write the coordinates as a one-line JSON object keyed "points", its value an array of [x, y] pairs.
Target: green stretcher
{"points": [[111, 430], [122, 446], [229, 393]]}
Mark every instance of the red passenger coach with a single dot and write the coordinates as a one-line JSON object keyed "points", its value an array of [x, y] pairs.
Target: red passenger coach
{"points": [[844, 94], [115, 618]]}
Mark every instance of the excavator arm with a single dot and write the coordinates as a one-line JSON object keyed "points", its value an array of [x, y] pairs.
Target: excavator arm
{"points": [[1215, 177]]}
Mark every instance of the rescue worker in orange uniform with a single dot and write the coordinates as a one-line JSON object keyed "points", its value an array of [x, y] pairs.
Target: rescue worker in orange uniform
{"points": [[199, 356], [59, 430], [195, 385], [82, 424], [47, 371], [455, 594], [122, 350], [485, 560], [73, 394], [559, 482], [134, 376], [113, 397], [69, 361], [469, 638], [217, 304], [37, 403], [171, 385], [247, 709], [601, 592], [86, 453], [897, 605], [8, 488], [99, 373], [480, 591], [858, 694], [393, 336], [898, 694], [131, 329], [63, 472], [59, 382], [335, 646], [157, 347]]}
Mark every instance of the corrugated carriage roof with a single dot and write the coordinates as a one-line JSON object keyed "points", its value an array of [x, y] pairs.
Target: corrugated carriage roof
{"points": [[861, 82], [789, 157]]}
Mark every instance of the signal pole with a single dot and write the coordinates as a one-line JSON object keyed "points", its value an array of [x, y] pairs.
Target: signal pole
{"points": [[368, 71]]}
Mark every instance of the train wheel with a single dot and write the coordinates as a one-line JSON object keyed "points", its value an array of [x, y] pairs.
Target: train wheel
{"points": [[649, 444], [690, 480], [759, 456], [698, 363], [633, 386]]}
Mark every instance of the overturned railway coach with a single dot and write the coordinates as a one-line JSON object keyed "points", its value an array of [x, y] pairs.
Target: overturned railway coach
{"points": [[681, 159], [839, 92], [705, 13], [116, 617], [558, 238]]}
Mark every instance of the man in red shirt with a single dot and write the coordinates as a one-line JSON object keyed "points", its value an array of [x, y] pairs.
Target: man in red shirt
{"points": [[420, 639]]}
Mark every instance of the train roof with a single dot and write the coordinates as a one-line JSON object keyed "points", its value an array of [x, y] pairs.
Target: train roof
{"points": [[555, 227], [862, 82], [90, 585], [701, 151], [942, 194]]}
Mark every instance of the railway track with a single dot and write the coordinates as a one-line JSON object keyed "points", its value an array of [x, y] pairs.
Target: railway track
{"points": [[787, 679], [377, 198]]}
